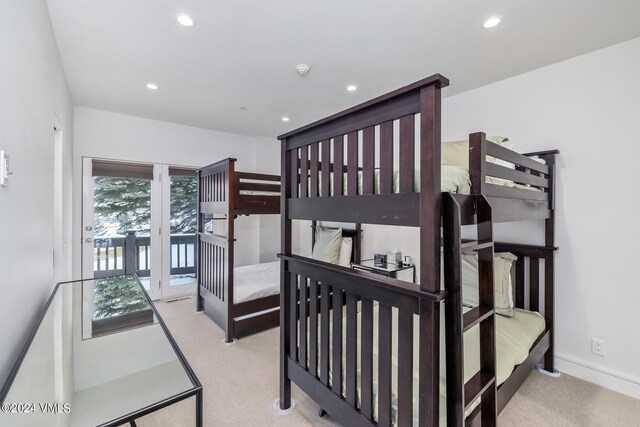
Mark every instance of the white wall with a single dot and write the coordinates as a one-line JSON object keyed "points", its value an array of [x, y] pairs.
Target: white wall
{"points": [[34, 92], [268, 161], [588, 108], [107, 135]]}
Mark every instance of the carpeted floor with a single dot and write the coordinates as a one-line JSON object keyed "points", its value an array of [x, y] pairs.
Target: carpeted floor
{"points": [[241, 382]]}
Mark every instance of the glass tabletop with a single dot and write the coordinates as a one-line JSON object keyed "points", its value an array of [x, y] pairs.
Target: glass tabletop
{"points": [[100, 353]]}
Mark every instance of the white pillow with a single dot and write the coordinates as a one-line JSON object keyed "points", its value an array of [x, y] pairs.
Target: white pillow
{"points": [[346, 248], [327, 247], [503, 296]]}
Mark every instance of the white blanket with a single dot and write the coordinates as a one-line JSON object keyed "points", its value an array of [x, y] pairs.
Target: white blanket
{"points": [[256, 281]]}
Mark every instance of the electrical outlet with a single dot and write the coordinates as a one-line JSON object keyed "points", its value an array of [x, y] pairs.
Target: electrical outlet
{"points": [[598, 347]]}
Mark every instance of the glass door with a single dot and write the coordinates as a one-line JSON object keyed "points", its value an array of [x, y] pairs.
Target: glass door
{"points": [[120, 233], [179, 207], [140, 218]]}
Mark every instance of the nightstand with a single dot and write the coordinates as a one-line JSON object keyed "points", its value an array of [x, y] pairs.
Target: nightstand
{"points": [[391, 270]]}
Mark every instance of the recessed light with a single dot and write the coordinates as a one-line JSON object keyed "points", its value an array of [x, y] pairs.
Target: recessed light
{"points": [[492, 22], [352, 88], [186, 20], [285, 119], [152, 86]]}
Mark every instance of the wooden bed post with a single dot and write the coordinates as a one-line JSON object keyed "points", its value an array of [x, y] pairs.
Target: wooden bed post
{"points": [[478, 162], [430, 213], [451, 232], [285, 278], [196, 255], [230, 332], [357, 243], [549, 265]]}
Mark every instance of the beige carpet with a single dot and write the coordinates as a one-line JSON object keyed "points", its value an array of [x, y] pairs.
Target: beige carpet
{"points": [[241, 382]]}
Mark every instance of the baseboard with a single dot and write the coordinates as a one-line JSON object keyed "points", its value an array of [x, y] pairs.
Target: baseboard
{"points": [[607, 378]]}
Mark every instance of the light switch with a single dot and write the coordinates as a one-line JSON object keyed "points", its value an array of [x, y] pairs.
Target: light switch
{"points": [[4, 168]]}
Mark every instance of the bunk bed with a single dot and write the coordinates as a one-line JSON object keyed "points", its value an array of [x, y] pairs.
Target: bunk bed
{"points": [[240, 300], [368, 348]]}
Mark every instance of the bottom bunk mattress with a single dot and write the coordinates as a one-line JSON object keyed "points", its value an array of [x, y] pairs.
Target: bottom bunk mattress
{"points": [[256, 281], [514, 338]]}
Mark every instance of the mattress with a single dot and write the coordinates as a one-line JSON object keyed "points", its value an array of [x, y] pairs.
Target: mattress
{"points": [[259, 193], [256, 281], [514, 337]]}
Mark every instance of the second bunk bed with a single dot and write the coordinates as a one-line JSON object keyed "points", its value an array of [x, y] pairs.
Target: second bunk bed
{"points": [[370, 349], [241, 300]]}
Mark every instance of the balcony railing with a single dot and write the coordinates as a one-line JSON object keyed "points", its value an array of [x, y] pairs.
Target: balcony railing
{"points": [[132, 254]]}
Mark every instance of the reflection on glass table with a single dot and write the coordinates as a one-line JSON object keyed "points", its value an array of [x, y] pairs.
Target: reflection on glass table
{"points": [[100, 355]]}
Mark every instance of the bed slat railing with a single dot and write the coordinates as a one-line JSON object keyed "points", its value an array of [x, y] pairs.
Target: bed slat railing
{"points": [[213, 184], [217, 184], [213, 266], [386, 158], [395, 104], [525, 172], [533, 280], [336, 340], [407, 154], [384, 364], [352, 164], [249, 193], [366, 340], [369, 149], [358, 315], [534, 283], [314, 167], [351, 378], [338, 164], [368, 160]]}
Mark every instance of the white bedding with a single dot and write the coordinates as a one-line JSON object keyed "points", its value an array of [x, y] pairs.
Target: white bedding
{"points": [[256, 281]]}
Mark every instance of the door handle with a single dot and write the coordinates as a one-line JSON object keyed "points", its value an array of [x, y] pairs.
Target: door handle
{"points": [[88, 240]]}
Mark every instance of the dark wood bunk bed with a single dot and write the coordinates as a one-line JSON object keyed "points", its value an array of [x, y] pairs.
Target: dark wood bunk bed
{"points": [[315, 329], [223, 195]]}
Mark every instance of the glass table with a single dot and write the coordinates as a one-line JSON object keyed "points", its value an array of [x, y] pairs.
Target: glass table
{"points": [[100, 355]]}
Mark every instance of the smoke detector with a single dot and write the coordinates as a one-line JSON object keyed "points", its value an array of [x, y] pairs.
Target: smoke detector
{"points": [[303, 69]]}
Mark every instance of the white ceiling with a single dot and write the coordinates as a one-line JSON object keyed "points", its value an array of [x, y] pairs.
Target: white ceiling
{"points": [[243, 53]]}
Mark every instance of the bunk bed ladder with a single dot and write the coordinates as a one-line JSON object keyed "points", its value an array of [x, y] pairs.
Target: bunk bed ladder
{"points": [[460, 395]]}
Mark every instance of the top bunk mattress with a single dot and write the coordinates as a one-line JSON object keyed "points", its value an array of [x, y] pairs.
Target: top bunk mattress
{"points": [[259, 193]]}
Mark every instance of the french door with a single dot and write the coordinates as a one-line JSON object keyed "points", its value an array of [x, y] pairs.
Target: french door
{"points": [[140, 218]]}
